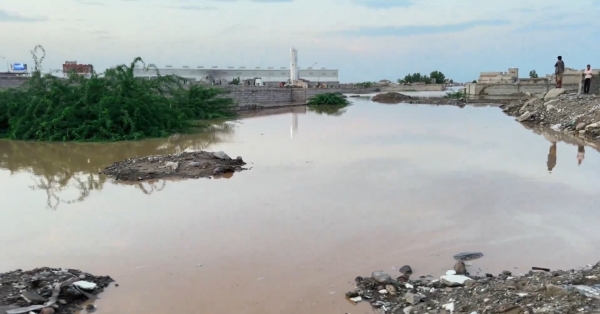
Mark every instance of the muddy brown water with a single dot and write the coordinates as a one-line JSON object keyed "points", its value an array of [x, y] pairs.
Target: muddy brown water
{"points": [[330, 196]]}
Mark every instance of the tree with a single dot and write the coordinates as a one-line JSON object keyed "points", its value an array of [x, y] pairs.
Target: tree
{"points": [[474, 81], [451, 81], [439, 77], [415, 78], [533, 74]]}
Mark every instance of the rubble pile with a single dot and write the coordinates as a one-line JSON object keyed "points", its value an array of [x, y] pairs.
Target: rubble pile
{"points": [[538, 291], [569, 113], [184, 165], [391, 98], [49, 291]]}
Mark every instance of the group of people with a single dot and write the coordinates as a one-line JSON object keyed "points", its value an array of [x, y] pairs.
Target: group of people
{"points": [[559, 70]]}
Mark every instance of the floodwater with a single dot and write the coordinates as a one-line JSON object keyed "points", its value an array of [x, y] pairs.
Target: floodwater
{"points": [[330, 196]]}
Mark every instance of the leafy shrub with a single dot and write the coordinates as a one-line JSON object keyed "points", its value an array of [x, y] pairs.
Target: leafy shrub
{"points": [[456, 94], [111, 106], [328, 99]]}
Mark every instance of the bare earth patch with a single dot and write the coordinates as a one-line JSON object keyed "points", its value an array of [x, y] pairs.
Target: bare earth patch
{"points": [[198, 164]]}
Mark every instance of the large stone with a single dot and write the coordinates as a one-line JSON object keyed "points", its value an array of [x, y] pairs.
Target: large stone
{"points": [[381, 277], [556, 290], [460, 268], [406, 269], [580, 126], [221, 155], [454, 280], [554, 93], [525, 116], [412, 298], [592, 126]]}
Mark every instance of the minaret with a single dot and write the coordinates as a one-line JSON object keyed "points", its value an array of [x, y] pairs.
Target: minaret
{"points": [[293, 65]]}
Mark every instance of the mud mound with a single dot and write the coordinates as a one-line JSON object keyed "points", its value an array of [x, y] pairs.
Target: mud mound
{"points": [[538, 291], [51, 290], [184, 165], [390, 98]]}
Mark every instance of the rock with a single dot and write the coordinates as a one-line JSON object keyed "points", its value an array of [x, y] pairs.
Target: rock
{"points": [[467, 256], [460, 268], [406, 270], [90, 308], [580, 126], [550, 102], [592, 126], [194, 164], [554, 93], [412, 298], [47, 310], [454, 280], [381, 277], [556, 290], [550, 107], [391, 289], [407, 310], [221, 155], [506, 273], [85, 285], [581, 132], [525, 116]]}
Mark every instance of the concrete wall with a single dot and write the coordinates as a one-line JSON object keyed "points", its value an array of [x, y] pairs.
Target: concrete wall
{"points": [[514, 89], [12, 82]]}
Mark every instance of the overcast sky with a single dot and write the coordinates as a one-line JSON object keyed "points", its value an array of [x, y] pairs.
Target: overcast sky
{"points": [[364, 39]]}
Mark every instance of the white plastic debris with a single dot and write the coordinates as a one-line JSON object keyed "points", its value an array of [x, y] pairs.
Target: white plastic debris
{"points": [[383, 291], [85, 285], [356, 299], [454, 280], [449, 307], [409, 286], [556, 127], [451, 272]]}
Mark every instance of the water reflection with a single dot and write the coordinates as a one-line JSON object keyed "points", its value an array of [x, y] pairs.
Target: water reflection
{"points": [[551, 163], [580, 154], [58, 167], [328, 110]]}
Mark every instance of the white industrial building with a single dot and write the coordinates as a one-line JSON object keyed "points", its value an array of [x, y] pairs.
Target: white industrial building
{"points": [[270, 75]]}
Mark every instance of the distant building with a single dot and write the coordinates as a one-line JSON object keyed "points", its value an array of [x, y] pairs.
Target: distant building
{"points": [[269, 76], [499, 77], [73, 66]]}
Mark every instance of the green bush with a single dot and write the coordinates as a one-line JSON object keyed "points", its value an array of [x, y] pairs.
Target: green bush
{"points": [[328, 99], [456, 94], [111, 106]]}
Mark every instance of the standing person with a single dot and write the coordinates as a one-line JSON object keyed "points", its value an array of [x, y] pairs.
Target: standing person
{"points": [[559, 70], [588, 79]]}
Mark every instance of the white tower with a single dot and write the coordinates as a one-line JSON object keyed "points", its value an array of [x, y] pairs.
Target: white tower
{"points": [[293, 65]]}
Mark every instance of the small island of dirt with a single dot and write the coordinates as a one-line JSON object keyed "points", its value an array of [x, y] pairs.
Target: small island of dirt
{"points": [[391, 98], [198, 164], [50, 291]]}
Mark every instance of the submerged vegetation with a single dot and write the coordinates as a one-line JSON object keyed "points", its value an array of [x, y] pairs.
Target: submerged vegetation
{"points": [[329, 104], [110, 106], [459, 94], [328, 99]]}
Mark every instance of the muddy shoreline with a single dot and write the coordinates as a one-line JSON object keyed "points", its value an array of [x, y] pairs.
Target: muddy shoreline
{"points": [[186, 165], [569, 113], [50, 291], [539, 290], [398, 98]]}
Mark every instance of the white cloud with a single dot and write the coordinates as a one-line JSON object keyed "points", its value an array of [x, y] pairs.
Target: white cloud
{"points": [[251, 33]]}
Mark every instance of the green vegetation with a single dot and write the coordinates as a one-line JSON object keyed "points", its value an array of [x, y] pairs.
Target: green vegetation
{"points": [[111, 106], [459, 94], [328, 99], [365, 84], [533, 74], [235, 81], [439, 77], [474, 82]]}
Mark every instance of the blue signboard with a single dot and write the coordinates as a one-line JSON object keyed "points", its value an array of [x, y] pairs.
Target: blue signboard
{"points": [[18, 67]]}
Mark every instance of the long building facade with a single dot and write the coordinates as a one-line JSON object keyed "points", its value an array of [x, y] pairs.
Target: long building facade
{"points": [[268, 75]]}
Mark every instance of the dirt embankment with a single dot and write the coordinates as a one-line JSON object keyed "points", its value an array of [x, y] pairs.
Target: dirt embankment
{"points": [[198, 164], [569, 113], [49, 291], [538, 291], [397, 98]]}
